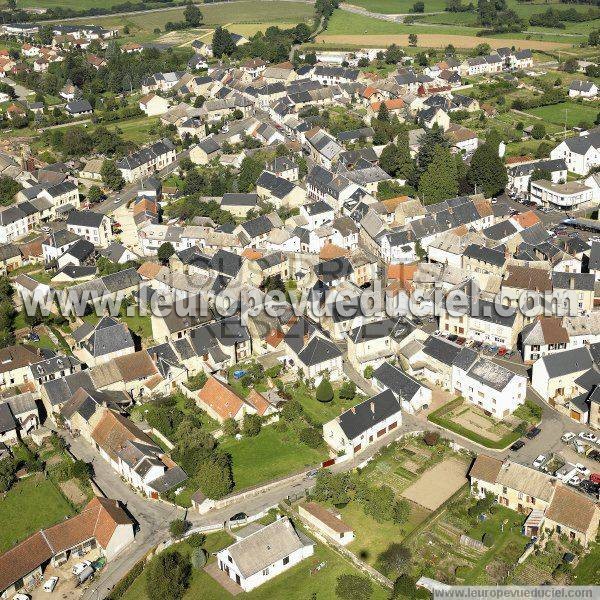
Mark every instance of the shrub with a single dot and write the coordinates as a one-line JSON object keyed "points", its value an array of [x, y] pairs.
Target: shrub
{"points": [[350, 587], [348, 390], [311, 436], [252, 425], [368, 372], [488, 540], [231, 427], [431, 438], [324, 391], [196, 540], [198, 558], [178, 527]]}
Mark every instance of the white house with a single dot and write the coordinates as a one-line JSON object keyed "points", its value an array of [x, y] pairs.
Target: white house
{"points": [[583, 89], [566, 195], [412, 395], [147, 161], [264, 554], [361, 425], [92, 226], [580, 153]]}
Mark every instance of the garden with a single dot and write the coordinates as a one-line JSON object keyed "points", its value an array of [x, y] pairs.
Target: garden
{"points": [[474, 424]]}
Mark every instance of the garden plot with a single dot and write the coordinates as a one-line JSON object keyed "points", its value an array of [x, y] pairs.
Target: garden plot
{"points": [[473, 418], [437, 484]]}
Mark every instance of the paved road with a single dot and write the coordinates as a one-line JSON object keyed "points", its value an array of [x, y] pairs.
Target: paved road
{"points": [[129, 192], [21, 91]]}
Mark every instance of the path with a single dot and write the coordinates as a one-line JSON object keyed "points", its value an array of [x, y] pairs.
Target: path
{"points": [[395, 17]]}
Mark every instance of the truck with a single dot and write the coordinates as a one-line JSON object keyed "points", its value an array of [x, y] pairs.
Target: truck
{"points": [[84, 575]]}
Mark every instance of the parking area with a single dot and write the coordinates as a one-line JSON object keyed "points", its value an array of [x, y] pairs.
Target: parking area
{"points": [[67, 587]]}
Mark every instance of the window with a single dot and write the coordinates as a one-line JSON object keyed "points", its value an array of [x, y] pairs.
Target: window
{"points": [[286, 560], [265, 571]]}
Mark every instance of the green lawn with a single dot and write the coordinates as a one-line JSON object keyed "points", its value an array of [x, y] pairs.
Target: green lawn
{"points": [[267, 456], [573, 112], [372, 538], [32, 504], [298, 583], [321, 412], [587, 571], [135, 130], [398, 6]]}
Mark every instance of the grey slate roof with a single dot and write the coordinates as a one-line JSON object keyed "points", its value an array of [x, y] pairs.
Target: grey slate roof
{"points": [[317, 351], [368, 414], [570, 361], [402, 385]]}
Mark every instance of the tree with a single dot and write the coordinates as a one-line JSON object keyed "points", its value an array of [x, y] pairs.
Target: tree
{"points": [[440, 180], [95, 194], [487, 170], [594, 37], [250, 171], [538, 174], [348, 390], [82, 470], [196, 540], [393, 55], [383, 114], [222, 43], [350, 587], [538, 131], [404, 587], [332, 488], [198, 558], [324, 391], [570, 65], [412, 39], [418, 7], [8, 189], [192, 15], [178, 527], [214, 476], [165, 252], [111, 176], [230, 427], [167, 576], [368, 373], [311, 436], [388, 160], [427, 144], [252, 425], [8, 468], [543, 149], [395, 558]]}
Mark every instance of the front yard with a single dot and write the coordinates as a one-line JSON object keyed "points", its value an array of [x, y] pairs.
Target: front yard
{"points": [[269, 455], [301, 582], [472, 423]]}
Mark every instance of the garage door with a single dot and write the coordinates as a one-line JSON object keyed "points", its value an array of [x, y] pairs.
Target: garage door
{"points": [[356, 448], [392, 426], [381, 432]]}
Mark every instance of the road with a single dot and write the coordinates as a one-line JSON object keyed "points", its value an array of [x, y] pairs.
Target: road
{"points": [[130, 190]]}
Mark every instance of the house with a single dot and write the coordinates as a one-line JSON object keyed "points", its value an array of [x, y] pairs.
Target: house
{"points": [[264, 554], [221, 402], [11, 258], [493, 388], [80, 254], [101, 524], [519, 175], [580, 153], [412, 395], [101, 342], [318, 357], [94, 227], [153, 104], [358, 427], [556, 507], [582, 89], [78, 108], [279, 191], [239, 204], [326, 522], [14, 365], [146, 161], [573, 292], [543, 336]]}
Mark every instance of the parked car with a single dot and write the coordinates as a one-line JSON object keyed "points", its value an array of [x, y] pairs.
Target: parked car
{"points": [[583, 470], [80, 567], [595, 477], [588, 436], [21, 597], [533, 432], [574, 481], [594, 455], [589, 487], [579, 446], [50, 584], [501, 351], [567, 437], [517, 445], [539, 461]]}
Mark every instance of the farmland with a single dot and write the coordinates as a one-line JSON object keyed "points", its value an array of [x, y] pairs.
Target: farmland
{"points": [[572, 112]]}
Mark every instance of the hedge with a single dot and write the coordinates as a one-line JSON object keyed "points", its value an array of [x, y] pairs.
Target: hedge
{"points": [[437, 417], [121, 588]]}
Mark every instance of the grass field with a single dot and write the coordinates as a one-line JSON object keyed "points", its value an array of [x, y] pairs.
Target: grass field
{"points": [[245, 12], [32, 504], [573, 112], [354, 29], [268, 456], [298, 583], [71, 4]]}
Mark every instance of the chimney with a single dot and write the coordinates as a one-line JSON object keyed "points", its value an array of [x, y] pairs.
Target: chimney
{"points": [[154, 356], [571, 283], [373, 407], [353, 409]]}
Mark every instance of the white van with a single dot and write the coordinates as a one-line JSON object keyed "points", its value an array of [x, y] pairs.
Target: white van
{"points": [[50, 584]]}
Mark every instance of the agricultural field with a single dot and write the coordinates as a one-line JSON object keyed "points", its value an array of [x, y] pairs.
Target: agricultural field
{"points": [[73, 4], [353, 29], [573, 113], [251, 15]]}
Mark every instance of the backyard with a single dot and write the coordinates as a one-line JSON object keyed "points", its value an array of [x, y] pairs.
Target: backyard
{"points": [[33, 503], [298, 583], [573, 112]]}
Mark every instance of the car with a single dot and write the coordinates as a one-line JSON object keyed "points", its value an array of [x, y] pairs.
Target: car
{"points": [[583, 470], [539, 461], [33, 336], [579, 446], [502, 351], [312, 474], [517, 445], [589, 487], [241, 516], [567, 437], [533, 432], [21, 597], [588, 437], [80, 567], [595, 478], [574, 481], [594, 455], [50, 584]]}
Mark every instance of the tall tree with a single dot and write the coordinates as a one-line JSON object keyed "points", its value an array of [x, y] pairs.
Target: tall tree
{"points": [[168, 576], [192, 15], [487, 170], [222, 43], [440, 180], [427, 144], [111, 176]]}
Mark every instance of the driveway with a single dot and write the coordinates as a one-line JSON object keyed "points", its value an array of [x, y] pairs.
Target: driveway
{"points": [[21, 91]]}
